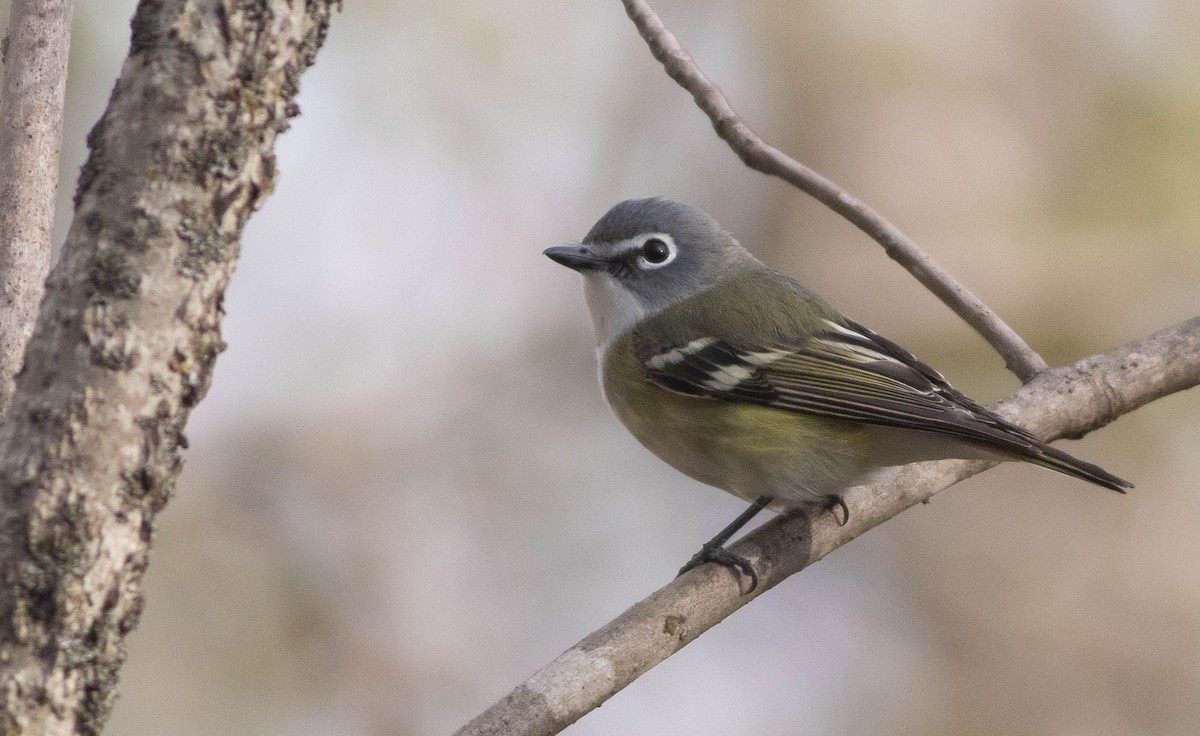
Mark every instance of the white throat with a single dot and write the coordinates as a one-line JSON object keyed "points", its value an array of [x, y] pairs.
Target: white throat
{"points": [[615, 310]]}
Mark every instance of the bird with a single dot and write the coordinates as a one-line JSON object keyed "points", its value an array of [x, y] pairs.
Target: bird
{"points": [[743, 379]]}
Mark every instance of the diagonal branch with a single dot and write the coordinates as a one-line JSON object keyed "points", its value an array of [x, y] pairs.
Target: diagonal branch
{"points": [[1064, 402], [31, 104], [760, 156]]}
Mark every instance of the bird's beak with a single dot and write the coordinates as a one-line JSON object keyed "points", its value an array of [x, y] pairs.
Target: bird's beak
{"points": [[576, 257]]}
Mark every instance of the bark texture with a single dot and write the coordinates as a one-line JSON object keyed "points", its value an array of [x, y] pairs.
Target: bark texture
{"points": [[1063, 402], [127, 337], [31, 104]]}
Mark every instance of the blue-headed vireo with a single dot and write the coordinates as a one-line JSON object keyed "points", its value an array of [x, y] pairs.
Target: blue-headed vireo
{"points": [[743, 379]]}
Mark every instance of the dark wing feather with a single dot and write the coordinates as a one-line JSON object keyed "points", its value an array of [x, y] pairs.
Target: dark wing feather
{"points": [[845, 371], [802, 356]]}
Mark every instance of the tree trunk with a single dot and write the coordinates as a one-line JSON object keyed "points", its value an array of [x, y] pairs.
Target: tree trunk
{"points": [[31, 103], [127, 337]]}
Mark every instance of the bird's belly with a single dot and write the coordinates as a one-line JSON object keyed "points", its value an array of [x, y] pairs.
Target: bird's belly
{"points": [[749, 451]]}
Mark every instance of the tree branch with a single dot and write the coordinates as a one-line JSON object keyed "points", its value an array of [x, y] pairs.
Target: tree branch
{"points": [[760, 156], [31, 104], [127, 338], [1064, 402]]}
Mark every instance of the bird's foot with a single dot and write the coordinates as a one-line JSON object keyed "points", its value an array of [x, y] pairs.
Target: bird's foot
{"points": [[837, 502], [725, 558]]}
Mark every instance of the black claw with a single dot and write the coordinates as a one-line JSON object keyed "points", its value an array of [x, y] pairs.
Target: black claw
{"points": [[836, 502], [714, 549], [725, 558]]}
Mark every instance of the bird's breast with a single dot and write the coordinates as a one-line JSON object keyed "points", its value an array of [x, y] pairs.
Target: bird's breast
{"points": [[745, 449]]}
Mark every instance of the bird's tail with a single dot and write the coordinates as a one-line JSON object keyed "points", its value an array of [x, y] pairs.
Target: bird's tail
{"points": [[1055, 459]]}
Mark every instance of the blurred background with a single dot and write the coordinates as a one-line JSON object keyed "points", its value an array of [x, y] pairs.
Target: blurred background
{"points": [[405, 494]]}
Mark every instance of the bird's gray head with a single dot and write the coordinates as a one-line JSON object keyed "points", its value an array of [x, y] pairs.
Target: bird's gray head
{"points": [[643, 256]]}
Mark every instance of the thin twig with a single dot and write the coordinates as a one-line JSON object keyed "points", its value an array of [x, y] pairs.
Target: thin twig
{"points": [[1061, 402], [760, 156], [31, 105]]}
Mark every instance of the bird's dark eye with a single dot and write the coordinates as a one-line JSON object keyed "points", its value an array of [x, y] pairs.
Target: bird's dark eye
{"points": [[655, 251]]}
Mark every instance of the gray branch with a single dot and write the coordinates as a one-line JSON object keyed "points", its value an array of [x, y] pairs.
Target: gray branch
{"points": [[1064, 402], [127, 337], [31, 103], [760, 156]]}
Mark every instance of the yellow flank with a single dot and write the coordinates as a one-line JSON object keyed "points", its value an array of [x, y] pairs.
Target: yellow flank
{"points": [[745, 449]]}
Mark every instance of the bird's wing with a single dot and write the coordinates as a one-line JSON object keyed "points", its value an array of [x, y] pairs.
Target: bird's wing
{"points": [[841, 370]]}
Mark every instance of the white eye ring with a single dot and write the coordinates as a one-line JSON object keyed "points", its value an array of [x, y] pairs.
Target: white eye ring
{"points": [[659, 246]]}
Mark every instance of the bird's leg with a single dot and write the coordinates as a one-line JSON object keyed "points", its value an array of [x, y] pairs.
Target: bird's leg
{"points": [[836, 502], [714, 550]]}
